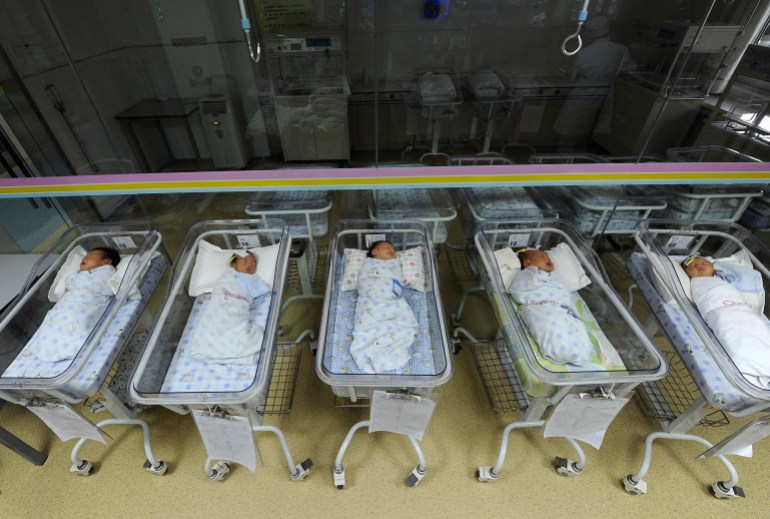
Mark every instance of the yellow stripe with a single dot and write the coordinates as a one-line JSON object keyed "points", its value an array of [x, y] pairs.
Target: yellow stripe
{"points": [[521, 178]]}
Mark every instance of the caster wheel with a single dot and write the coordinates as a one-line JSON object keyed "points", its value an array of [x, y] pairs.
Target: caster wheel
{"points": [[567, 468], [720, 491], [339, 477], [302, 470], [635, 488], [84, 469], [159, 469], [219, 472], [486, 474], [413, 479]]}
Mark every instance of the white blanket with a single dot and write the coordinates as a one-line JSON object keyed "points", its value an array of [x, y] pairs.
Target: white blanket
{"points": [[69, 323], [547, 309], [744, 335], [385, 326], [227, 332]]}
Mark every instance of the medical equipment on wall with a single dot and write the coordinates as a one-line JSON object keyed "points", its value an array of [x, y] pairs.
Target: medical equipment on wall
{"points": [[310, 93]]}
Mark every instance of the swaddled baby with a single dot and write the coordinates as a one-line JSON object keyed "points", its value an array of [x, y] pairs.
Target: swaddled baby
{"points": [[385, 326], [227, 332], [717, 293], [548, 311], [87, 294]]}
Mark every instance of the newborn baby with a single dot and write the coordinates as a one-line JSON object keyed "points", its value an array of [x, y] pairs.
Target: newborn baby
{"points": [[744, 334], [228, 332], [87, 295], [385, 326], [548, 310]]}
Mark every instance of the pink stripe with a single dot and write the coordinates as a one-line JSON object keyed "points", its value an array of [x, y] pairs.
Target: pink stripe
{"points": [[385, 172]]}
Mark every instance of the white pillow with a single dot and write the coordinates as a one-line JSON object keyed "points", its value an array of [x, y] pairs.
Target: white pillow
{"points": [[70, 266], [354, 259], [412, 268], [410, 261], [509, 265], [212, 261], [568, 266], [117, 278], [565, 263]]}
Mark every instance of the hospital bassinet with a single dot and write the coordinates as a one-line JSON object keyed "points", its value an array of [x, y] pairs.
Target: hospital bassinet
{"points": [[710, 153], [334, 366], [757, 214], [596, 210], [624, 358], [715, 383], [434, 207], [307, 215], [30, 381], [485, 205], [168, 374], [708, 202], [430, 358]]}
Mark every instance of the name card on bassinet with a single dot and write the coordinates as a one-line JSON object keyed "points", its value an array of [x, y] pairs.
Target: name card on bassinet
{"points": [[400, 413], [518, 240], [65, 422], [373, 238], [740, 442], [226, 437], [679, 241], [248, 241], [584, 419]]}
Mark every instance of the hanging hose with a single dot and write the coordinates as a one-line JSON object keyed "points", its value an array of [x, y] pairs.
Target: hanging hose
{"points": [[246, 25], [581, 19]]}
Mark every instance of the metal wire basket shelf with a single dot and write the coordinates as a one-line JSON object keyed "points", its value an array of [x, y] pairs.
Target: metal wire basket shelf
{"points": [[498, 376], [283, 379], [669, 397]]}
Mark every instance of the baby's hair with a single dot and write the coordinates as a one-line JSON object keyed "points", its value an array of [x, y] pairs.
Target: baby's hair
{"points": [[110, 254], [525, 254], [689, 259], [373, 246], [234, 257]]}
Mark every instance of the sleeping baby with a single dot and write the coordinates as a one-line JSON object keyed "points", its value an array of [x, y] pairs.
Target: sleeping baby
{"points": [[717, 293], [548, 311], [385, 326], [87, 295], [227, 332]]}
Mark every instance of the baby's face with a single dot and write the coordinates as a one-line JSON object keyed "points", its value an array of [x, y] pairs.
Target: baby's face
{"points": [[246, 265], [699, 267], [384, 251], [93, 260], [539, 259]]}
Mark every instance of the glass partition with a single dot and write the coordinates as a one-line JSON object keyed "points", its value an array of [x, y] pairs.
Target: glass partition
{"points": [[118, 87]]}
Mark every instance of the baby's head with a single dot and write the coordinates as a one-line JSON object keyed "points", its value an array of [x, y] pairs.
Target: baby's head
{"points": [[382, 250], [99, 256], [697, 267], [245, 262], [536, 258]]}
